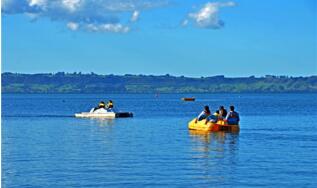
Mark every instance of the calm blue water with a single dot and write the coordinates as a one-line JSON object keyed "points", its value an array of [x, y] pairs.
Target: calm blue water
{"points": [[44, 146]]}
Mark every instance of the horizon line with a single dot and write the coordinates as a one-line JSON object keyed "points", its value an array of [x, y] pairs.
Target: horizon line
{"points": [[167, 74]]}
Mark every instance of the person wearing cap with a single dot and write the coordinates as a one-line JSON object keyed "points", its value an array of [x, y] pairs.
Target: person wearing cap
{"points": [[109, 105], [100, 105]]}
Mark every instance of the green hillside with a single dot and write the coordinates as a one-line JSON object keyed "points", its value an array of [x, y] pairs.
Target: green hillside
{"points": [[92, 83]]}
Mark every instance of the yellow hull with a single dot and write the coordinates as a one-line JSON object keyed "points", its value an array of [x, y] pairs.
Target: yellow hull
{"points": [[213, 127]]}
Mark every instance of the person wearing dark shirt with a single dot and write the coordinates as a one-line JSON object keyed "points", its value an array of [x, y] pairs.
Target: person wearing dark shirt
{"points": [[233, 117], [222, 112], [213, 118], [204, 114]]}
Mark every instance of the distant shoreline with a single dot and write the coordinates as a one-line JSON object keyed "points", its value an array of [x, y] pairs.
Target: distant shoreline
{"points": [[77, 83]]}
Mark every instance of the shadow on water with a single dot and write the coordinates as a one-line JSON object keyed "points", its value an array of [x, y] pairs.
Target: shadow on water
{"points": [[215, 153]]}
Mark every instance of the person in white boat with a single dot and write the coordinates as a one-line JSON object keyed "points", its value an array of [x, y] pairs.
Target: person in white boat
{"points": [[101, 106], [109, 106]]}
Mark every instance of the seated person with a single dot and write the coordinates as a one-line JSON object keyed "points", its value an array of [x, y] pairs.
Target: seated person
{"points": [[110, 105], [222, 112], [101, 105], [233, 117], [204, 114], [213, 118]]}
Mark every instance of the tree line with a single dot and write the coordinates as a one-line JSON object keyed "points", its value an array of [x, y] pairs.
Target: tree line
{"points": [[62, 82]]}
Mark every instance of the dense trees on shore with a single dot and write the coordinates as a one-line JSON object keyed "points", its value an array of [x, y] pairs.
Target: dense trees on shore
{"points": [[92, 83]]}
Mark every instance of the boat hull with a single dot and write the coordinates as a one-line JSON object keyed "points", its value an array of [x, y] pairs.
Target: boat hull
{"points": [[212, 127], [107, 115]]}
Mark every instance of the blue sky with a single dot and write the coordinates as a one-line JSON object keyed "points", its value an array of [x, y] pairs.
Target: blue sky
{"points": [[191, 38]]}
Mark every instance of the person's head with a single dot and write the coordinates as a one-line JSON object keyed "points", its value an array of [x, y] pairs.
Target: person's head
{"points": [[231, 108], [206, 109], [110, 101], [217, 111], [221, 107], [101, 104]]}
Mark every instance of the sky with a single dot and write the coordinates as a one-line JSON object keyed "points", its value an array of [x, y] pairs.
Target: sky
{"points": [[156, 37]]}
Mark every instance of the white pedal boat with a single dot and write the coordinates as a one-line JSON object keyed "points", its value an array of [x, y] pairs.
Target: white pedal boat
{"points": [[96, 115], [103, 113]]}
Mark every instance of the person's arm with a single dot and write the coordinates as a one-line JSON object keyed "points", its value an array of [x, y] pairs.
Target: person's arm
{"points": [[200, 115], [228, 115]]}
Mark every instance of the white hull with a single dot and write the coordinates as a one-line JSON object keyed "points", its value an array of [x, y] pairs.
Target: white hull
{"points": [[96, 115]]}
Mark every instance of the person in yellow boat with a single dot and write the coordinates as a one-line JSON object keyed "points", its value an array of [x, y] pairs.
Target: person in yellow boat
{"points": [[233, 117], [204, 114], [214, 117], [110, 105], [222, 112], [100, 105]]}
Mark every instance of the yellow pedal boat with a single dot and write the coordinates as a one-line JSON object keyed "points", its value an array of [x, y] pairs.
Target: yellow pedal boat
{"points": [[220, 125]]}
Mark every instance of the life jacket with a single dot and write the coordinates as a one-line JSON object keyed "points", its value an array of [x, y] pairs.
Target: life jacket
{"points": [[233, 115]]}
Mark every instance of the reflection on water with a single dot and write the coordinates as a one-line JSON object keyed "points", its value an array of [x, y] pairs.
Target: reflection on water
{"points": [[220, 137], [102, 122], [213, 151]]}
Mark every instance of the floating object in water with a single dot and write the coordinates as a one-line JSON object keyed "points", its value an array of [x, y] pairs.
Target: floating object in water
{"points": [[220, 125], [188, 99], [102, 113]]}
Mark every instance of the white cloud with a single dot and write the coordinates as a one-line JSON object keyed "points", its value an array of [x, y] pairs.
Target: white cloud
{"points": [[71, 5], [115, 28], [135, 16], [107, 15], [73, 26], [207, 16], [185, 22], [132, 5], [37, 2], [90, 15]]}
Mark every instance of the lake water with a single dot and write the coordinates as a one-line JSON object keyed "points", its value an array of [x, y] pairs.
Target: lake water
{"points": [[43, 145]]}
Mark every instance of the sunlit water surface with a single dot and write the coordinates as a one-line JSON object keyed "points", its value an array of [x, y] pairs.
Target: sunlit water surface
{"points": [[43, 145]]}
